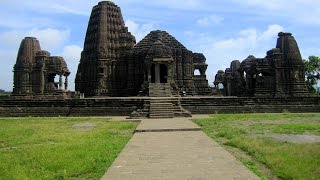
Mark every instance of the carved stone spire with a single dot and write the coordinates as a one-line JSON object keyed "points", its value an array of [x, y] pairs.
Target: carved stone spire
{"points": [[291, 66], [25, 60], [27, 50], [106, 41], [289, 48]]}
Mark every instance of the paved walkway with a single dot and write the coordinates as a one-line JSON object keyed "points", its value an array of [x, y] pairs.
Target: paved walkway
{"points": [[180, 151]]}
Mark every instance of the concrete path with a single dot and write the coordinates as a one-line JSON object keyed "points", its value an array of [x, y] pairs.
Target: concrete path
{"points": [[180, 151]]}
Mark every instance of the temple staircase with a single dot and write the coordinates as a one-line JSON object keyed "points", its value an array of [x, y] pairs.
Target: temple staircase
{"points": [[160, 106]]}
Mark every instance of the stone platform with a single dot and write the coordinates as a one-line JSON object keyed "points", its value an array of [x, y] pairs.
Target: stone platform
{"points": [[124, 106], [174, 149]]}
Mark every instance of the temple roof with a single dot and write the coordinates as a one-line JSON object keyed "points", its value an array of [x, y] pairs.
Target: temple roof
{"points": [[161, 36], [57, 64], [159, 50]]}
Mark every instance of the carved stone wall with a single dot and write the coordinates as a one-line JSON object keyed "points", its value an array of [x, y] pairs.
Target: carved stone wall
{"points": [[35, 71]]}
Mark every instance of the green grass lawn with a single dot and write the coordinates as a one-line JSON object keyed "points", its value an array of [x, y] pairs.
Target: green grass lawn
{"points": [[60, 148], [249, 138]]}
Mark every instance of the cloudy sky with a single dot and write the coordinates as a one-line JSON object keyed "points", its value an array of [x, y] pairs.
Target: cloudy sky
{"points": [[222, 30]]}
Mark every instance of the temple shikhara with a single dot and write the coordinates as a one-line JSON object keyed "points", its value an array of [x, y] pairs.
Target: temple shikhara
{"points": [[153, 78], [103, 68]]}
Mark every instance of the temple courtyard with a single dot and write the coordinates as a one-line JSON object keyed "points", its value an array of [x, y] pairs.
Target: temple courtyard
{"points": [[218, 146]]}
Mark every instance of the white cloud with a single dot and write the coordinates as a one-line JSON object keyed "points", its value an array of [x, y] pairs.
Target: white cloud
{"points": [[139, 30], [298, 11], [49, 38], [270, 33], [22, 22], [72, 55], [40, 14], [8, 59], [248, 41], [170, 4], [270, 4], [209, 20], [49, 6]]}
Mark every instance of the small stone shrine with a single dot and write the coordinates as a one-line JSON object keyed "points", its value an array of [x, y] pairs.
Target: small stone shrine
{"points": [[35, 71], [279, 74]]}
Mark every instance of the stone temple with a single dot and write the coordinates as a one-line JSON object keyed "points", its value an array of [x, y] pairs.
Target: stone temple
{"points": [[279, 74], [35, 71], [112, 64]]}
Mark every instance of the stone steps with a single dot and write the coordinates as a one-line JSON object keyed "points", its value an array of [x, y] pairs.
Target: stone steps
{"points": [[159, 90], [160, 116], [161, 109]]}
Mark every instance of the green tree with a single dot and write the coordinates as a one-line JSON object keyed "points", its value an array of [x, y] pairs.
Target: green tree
{"points": [[312, 66], [4, 93]]}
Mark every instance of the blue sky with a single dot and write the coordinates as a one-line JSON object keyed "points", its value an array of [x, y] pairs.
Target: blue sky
{"points": [[222, 30]]}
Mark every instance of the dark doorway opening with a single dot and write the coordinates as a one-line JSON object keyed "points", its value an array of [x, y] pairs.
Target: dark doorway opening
{"points": [[159, 73], [153, 74], [163, 73]]}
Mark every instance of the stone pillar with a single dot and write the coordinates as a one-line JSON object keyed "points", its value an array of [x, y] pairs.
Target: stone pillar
{"points": [[157, 73], [169, 74], [60, 82], [42, 82], [109, 69], [66, 83], [149, 75]]}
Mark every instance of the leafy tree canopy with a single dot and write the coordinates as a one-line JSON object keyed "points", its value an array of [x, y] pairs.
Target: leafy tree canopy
{"points": [[312, 66]]}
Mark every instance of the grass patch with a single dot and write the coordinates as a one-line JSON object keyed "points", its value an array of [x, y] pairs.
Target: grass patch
{"points": [[297, 128], [248, 133], [60, 148]]}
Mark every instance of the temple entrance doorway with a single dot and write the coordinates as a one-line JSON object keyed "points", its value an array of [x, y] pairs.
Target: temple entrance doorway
{"points": [[159, 73]]}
